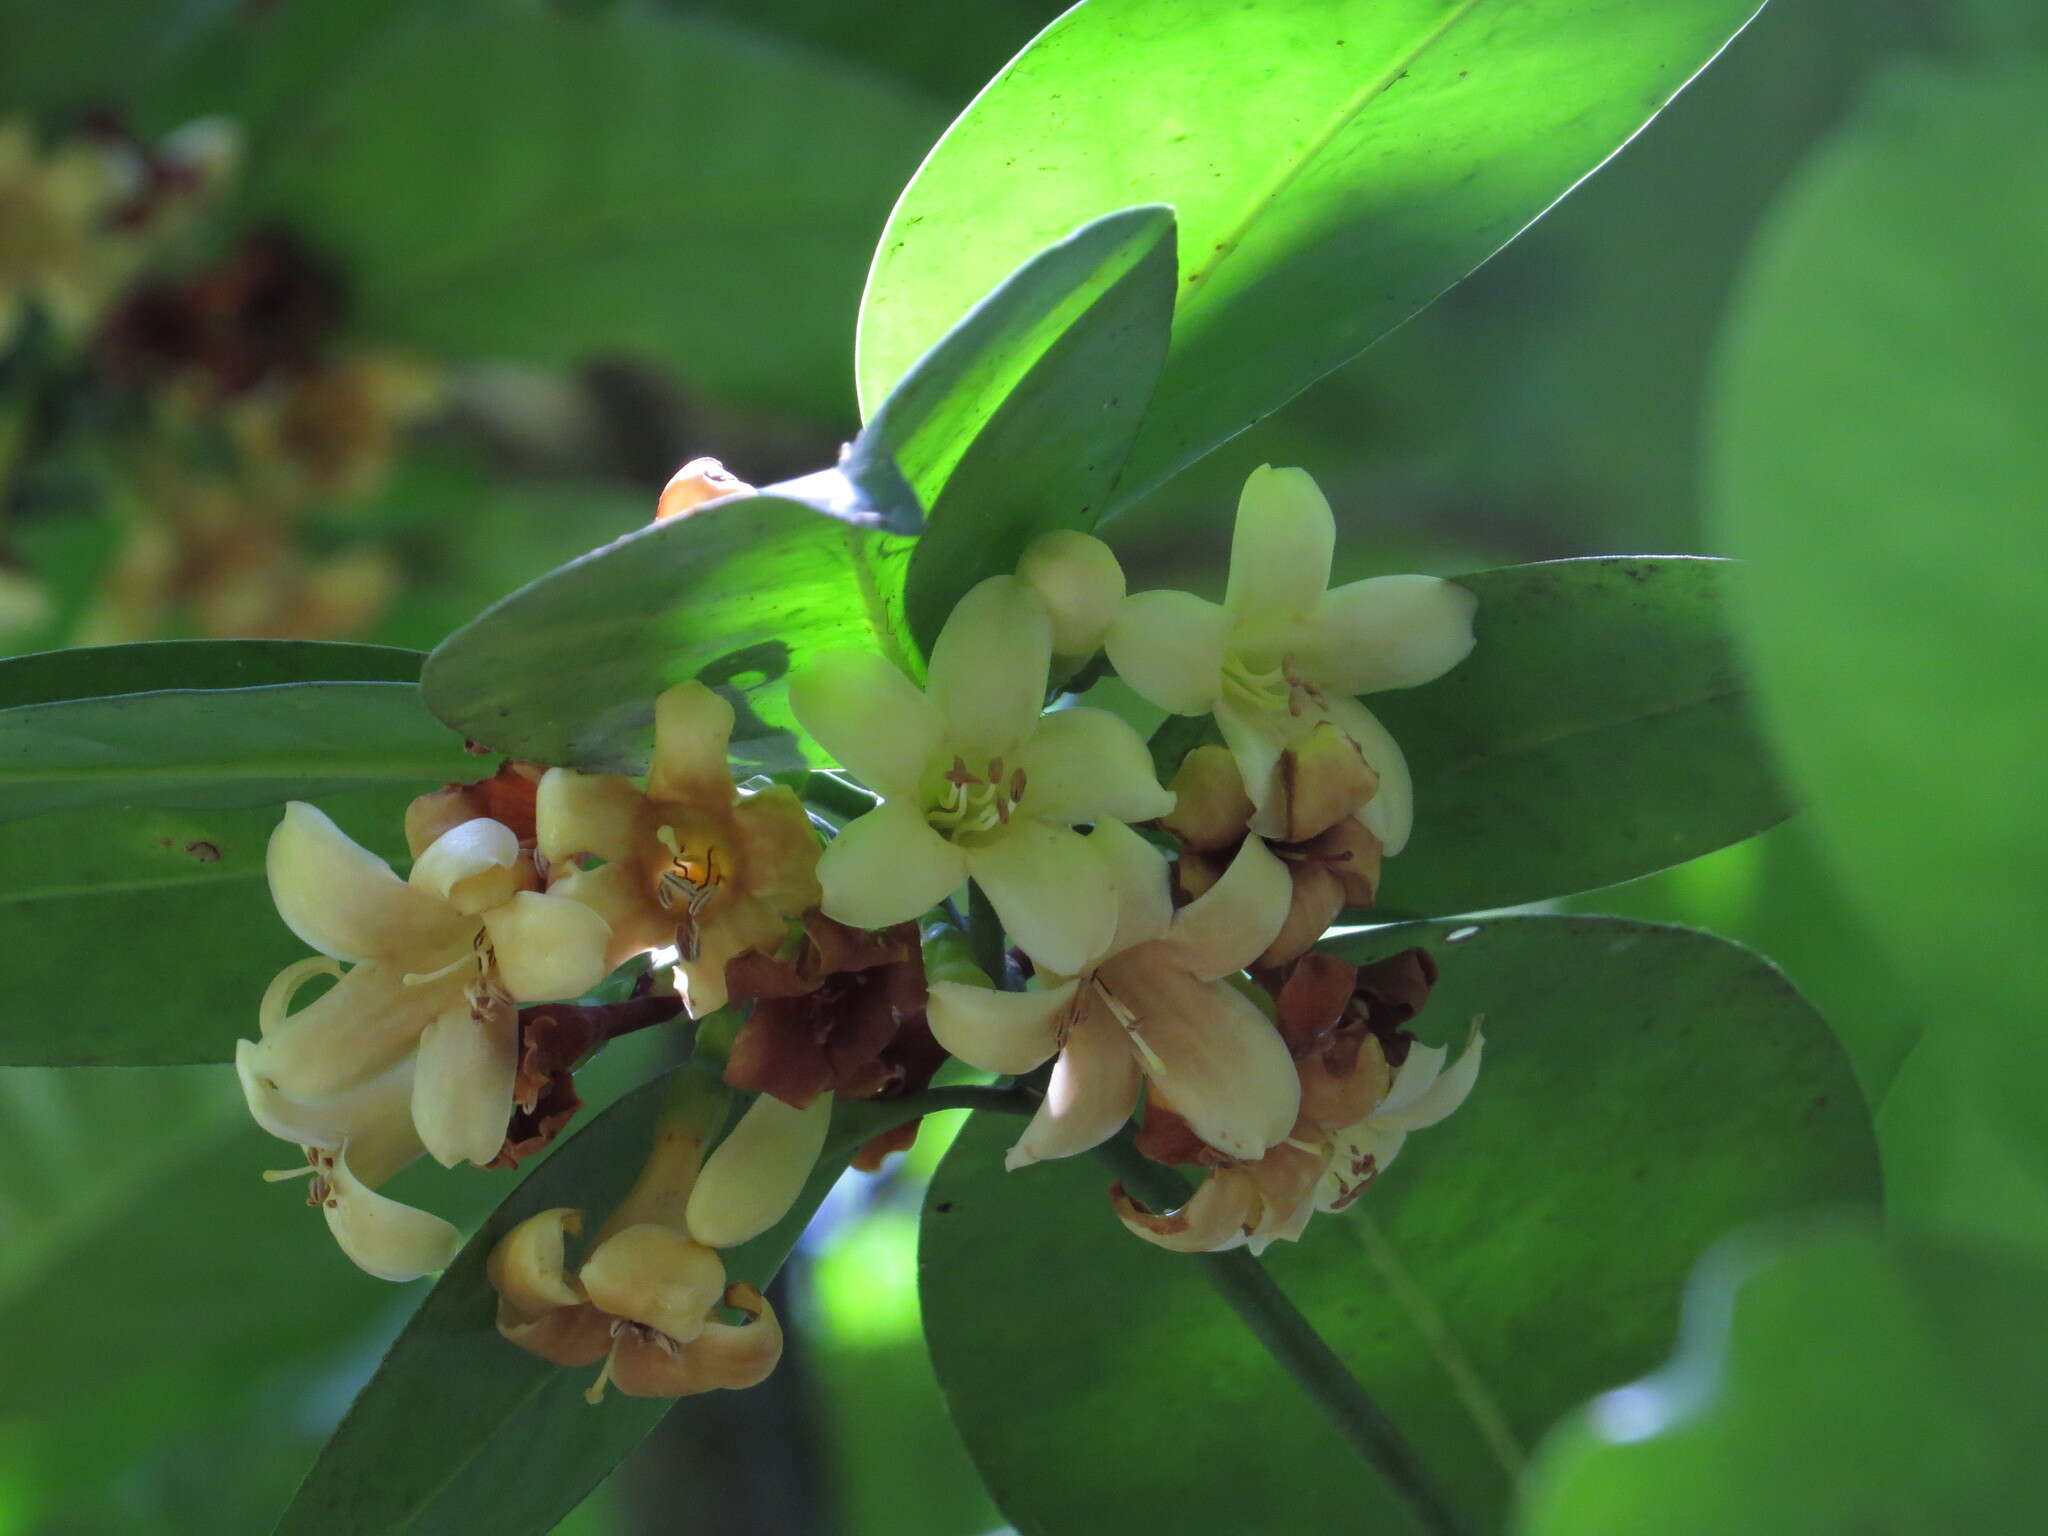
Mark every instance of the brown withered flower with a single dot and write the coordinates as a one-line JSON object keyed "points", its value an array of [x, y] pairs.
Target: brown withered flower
{"points": [[1334, 861], [845, 1015]]}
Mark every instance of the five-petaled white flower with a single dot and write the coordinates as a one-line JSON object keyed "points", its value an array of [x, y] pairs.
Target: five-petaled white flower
{"points": [[438, 963], [1155, 1005], [1282, 655], [977, 782]]}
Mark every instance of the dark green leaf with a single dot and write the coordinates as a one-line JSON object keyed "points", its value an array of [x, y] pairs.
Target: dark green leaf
{"points": [[566, 670], [1838, 1384], [1644, 1090], [1334, 168], [516, 181], [100, 671], [1880, 465], [514, 1446]]}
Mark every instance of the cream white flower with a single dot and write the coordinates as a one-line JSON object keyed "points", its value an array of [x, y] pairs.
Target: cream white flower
{"points": [[1282, 655], [1423, 1092], [354, 1141], [1078, 579], [1154, 1005], [977, 782], [438, 964]]}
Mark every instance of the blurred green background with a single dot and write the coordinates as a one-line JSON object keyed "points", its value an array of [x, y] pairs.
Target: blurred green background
{"points": [[178, 1337]]}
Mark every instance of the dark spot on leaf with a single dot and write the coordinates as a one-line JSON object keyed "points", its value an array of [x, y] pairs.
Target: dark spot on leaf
{"points": [[203, 851], [944, 1207]]}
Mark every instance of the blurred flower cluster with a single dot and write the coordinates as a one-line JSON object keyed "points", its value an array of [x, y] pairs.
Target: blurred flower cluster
{"points": [[1144, 949], [199, 372]]}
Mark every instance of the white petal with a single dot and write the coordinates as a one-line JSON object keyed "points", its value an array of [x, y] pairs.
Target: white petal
{"points": [[1138, 874], [1078, 579], [887, 866], [692, 730], [1363, 1153], [869, 717], [1442, 1096], [586, 813], [753, 1178], [1169, 647], [329, 1121], [547, 947], [1089, 1096], [384, 1238], [998, 1031], [462, 1088], [1212, 1221], [1085, 764], [345, 901], [1390, 813], [1053, 896], [1416, 1075], [1216, 1057], [1388, 632], [1280, 550], [989, 668], [470, 865], [1228, 926]]}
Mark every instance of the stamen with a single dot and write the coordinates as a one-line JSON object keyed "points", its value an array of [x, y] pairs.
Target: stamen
{"points": [[1016, 786], [594, 1393], [958, 775], [421, 978], [1124, 1016], [280, 1175]]}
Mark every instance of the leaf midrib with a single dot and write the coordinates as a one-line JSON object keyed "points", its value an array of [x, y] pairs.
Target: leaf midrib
{"points": [[1523, 746], [370, 770]]}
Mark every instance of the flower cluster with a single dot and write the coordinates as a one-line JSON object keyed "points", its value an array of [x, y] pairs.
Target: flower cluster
{"points": [[1162, 958]]}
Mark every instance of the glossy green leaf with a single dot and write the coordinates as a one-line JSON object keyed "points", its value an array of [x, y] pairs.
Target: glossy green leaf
{"points": [[514, 1446], [1644, 1090], [1335, 166], [1834, 1384], [529, 182], [1598, 731], [176, 901], [1880, 464], [303, 724], [566, 670]]}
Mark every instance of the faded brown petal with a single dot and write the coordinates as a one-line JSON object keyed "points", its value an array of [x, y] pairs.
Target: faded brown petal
{"points": [[1394, 990], [1320, 780], [1211, 812], [1312, 1000], [1317, 898], [1345, 1080], [722, 1356], [1165, 1136], [1351, 852], [567, 1336], [875, 1149], [1214, 1218]]}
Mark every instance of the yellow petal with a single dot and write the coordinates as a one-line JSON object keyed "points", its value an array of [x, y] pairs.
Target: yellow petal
{"points": [[596, 813], [1086, 764], [869, 717], [1211, 811], [692, 729], [1089, 1095], [1387, 632], [462, 1090], [1051, 893], [345, 901], [1280, 550], [778, 850], [357, 1029], [655, 1276], [1214, 1218], [887, 867], [547, 946], [1139, 877], [1390, 813], [1229, 925], [528, 1268], [1169, 647], [1008, 1032], [383, 1237], [470, 865], [324, 1122], [990, 668], [754, 1176]]}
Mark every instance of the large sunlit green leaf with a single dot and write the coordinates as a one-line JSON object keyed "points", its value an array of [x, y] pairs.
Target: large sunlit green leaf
{"points": [[1598, 731], [224, 723], [514, 1446], [1831, 1385], [548, 183], [1880, 464], [737, 594], [1335, 164], [1645, 1089]]}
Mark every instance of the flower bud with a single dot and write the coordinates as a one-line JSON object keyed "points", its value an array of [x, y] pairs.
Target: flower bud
{"points": [[1078, 579], [528, 1269], [656, 1277], [697, 482], [755, 1175]]}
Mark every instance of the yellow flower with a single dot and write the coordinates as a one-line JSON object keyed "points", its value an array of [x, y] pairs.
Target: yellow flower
{"points": [[438, 964], [1283, 656], [1154, 1005], [687, 862], [57, 251], [977, 782]]}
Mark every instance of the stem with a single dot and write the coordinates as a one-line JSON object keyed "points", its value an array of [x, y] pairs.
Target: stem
{"points": [[1298, 1349], [985, 939], [1001, 1101]]}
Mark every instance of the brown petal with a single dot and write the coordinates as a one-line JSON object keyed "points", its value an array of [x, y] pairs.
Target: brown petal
{"points": [[697, 482], [1211, 812], [1317, 898], [1286, 1178], [1351, 852], [567, 1335], [723, 1355], [1394, 990], [1165, 1136], [1321, 779], [1312, 1000], [1344, 1081], [876, 1149]]}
